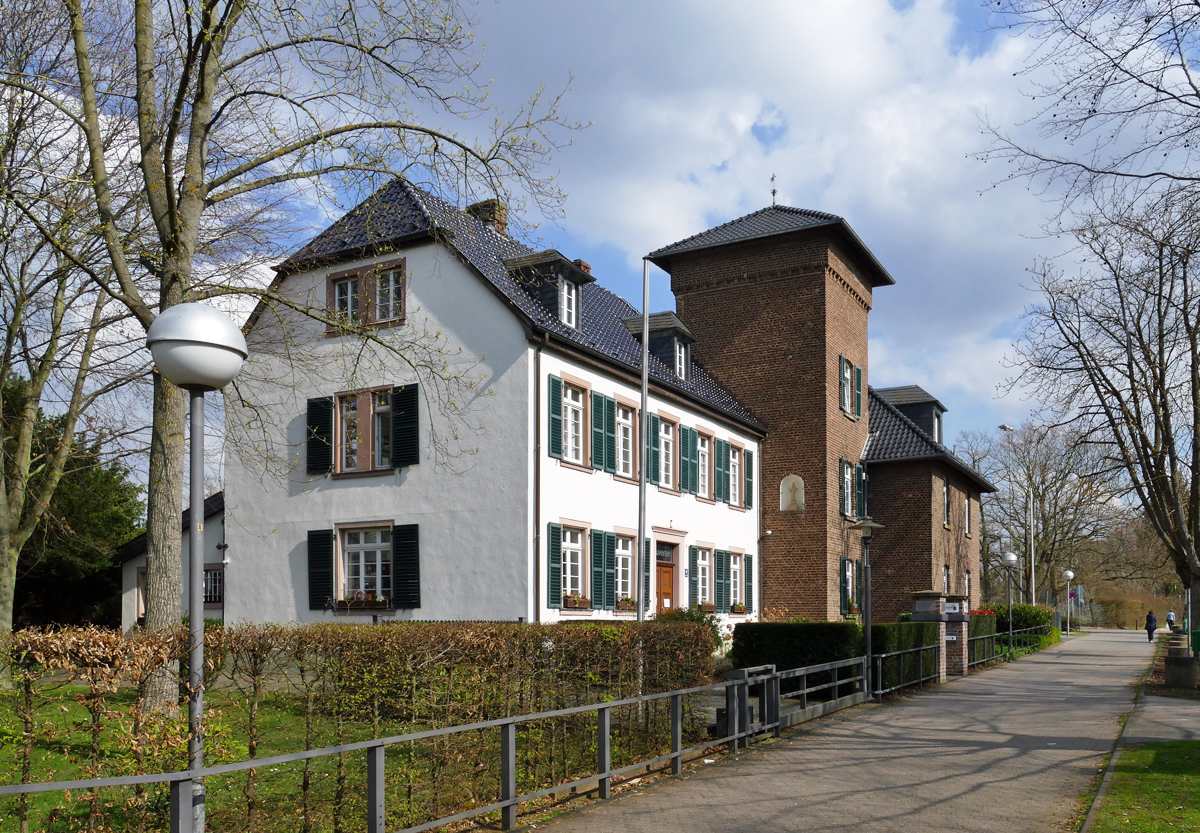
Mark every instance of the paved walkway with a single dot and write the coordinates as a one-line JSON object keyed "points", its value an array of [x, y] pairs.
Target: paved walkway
{"points": [[1007, 749]]}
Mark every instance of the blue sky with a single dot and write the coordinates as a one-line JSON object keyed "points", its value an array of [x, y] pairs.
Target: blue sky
{"points": [[870, 110]]}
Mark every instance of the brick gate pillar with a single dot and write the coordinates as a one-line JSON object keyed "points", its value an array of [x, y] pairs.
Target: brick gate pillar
{"points": [[957, 620], [930, 606]]}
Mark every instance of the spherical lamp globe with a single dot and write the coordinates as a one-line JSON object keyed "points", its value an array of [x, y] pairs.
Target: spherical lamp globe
{"points": [[196, 347], [1009, 559], [1068, 574]]}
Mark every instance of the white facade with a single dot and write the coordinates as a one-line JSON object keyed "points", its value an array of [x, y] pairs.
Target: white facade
{"points": [[481, 505]]}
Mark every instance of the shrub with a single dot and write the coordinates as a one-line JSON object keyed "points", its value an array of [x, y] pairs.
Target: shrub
{"points": [[982, 624], [696, 615], [887, 637], [1023, 616], [789, 645]]}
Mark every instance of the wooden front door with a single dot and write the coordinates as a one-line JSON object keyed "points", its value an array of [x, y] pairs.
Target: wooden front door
{"points": [[666, 587]]}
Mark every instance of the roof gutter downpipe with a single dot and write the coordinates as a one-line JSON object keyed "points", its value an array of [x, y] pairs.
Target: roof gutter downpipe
{"points": [[640, 546]]}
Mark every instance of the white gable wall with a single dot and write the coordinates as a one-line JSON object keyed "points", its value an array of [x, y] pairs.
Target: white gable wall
{"points": [[473, 509]]}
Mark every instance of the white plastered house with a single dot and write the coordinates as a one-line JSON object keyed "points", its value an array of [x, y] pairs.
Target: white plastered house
{"points": [[354, 499]]}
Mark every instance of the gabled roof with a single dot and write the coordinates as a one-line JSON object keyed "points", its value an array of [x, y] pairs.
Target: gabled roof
{"points": [[892, 437], [768, 222], [908, 395], [400, 211], [214, 504]]}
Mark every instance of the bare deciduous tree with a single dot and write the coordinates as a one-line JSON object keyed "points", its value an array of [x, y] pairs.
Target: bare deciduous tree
{"points": [[242, 114]]}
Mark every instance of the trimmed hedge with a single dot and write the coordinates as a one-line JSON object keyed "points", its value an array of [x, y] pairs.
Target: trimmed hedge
{"points": [[788, 645], [887, 637], [1023, 616], [982, 625]]}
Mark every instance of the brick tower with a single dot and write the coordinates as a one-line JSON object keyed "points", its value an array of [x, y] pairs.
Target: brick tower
{"points": [[778, 301]]}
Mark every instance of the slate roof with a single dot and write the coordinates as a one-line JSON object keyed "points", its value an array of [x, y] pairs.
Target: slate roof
{"points": [[909, 395], [893, 437], [768, 222], [214, 504], [400, 211]]}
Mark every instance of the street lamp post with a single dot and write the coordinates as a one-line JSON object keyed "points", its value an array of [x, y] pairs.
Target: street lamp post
{"points": [[1068, 575], [867, 527], [1009, 560], [198, 348]]}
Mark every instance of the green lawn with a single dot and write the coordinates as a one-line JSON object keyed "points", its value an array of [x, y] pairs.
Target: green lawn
{"points": [[1155, 788]]}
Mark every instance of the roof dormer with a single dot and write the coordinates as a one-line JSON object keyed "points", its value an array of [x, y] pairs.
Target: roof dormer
{"points": [[555, 281], [670, 340], [920, 406]]}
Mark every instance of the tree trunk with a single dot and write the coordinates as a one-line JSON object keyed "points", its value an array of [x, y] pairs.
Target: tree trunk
{"points": [[164, 549], [8, 581]]}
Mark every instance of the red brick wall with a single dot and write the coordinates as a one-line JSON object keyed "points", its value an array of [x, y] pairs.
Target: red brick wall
{"points": [[909, 553], [771, 318]]}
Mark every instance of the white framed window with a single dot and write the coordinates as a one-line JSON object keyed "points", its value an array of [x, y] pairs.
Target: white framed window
{"points": [[367, 563], [735, 476], [704, 575], [345, 299], [966, 513], [568, 303], [945, 578], [847, 385], [572, 406], [389, 296], [624, 441], [666, 454], [702, 466], [214, 586], [572, 562], [381, 436], [624, 567], [735, 579], [680, 359], [967, 587], [847, 489], [937, 426], [349, 432], [945, 501]]}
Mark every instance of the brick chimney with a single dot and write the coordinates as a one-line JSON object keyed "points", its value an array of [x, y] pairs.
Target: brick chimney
{"points": [[492, 212], [584, 266]]}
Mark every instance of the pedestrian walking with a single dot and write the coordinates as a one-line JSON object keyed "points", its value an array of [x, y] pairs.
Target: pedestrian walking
{"points": [[1171, 618], [1151, 625]]}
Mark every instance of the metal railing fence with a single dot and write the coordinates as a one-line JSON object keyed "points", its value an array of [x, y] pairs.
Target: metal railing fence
{"points": [[995, 647], [900, 669]]}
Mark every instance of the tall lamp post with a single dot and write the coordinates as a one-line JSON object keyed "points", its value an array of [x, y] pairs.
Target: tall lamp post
{"points": [[867, 527], [1008, 429], [1068, 575], [197, 348], [1009, 560]]}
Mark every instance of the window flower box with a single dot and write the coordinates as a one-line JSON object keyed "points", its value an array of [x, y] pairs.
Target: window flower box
{"points": [[353, 603], [737, 609], [577, 603], [853, 610], [708, 608], [626, 604]]}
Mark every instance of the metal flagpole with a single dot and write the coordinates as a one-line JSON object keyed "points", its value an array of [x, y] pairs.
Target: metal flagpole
{"points": [[1029, 535], [640, 545]]}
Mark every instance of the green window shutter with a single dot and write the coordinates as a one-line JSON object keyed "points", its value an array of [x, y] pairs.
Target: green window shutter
{"points": [[406, 425], [684, 471], [319, 448], [597, 569], [842, 382], [748, 567], [406, 566], [694, 458], [610, 434], [845, 590], [748, 489], [721, 587], [646, 577], [653, 475], [857, 391], [720, 471], [860, 492], [610, 570], [320, 568], [554, 565], [693, 576], [555, 406], [842, 485], [858, 583], [597, 430]]}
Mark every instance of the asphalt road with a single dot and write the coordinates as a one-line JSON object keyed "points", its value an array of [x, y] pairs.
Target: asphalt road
{"points": [[1011, 749]]}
